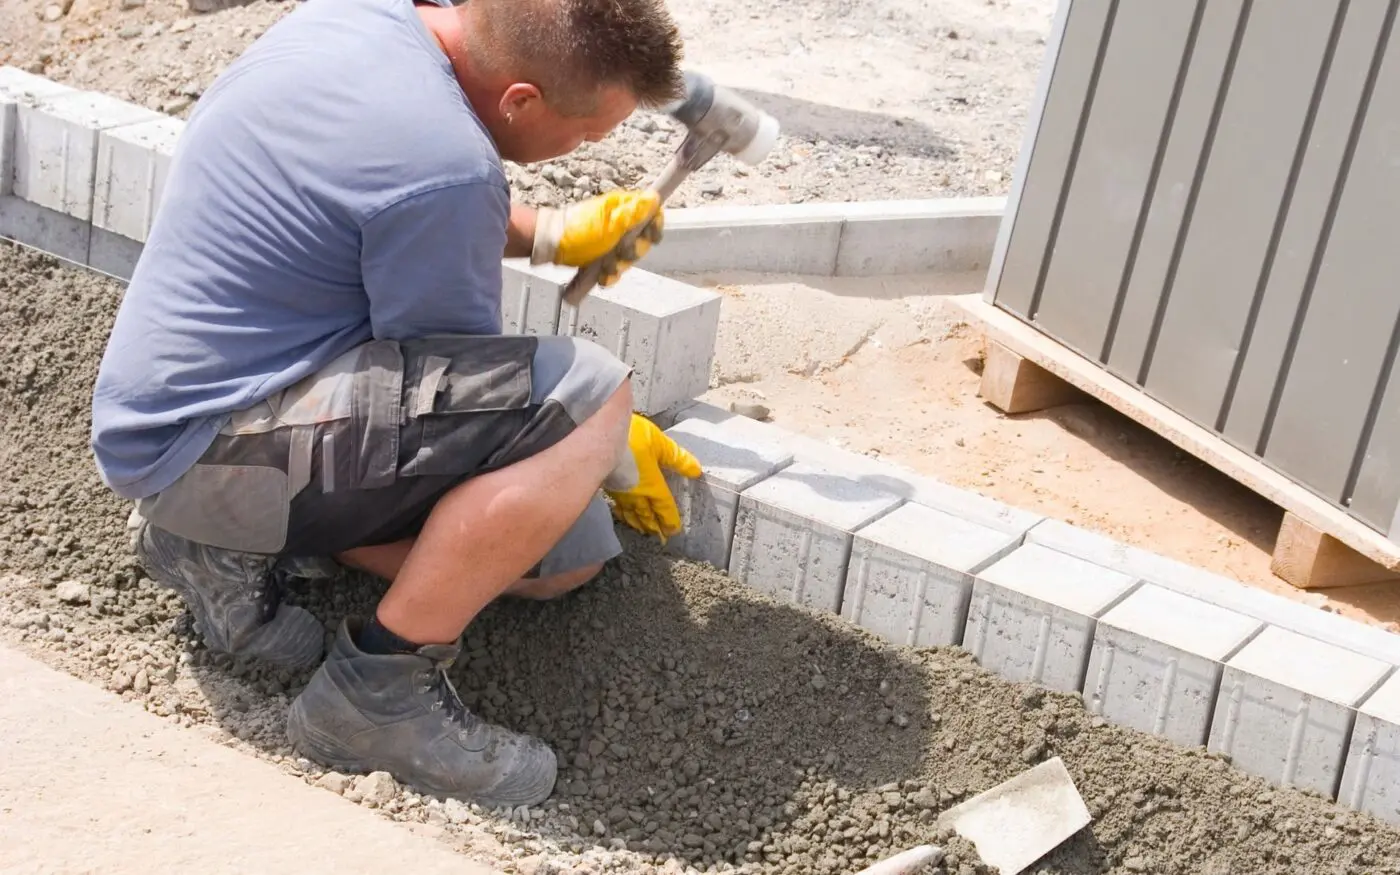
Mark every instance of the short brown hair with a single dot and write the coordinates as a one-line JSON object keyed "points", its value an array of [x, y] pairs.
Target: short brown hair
{"points": [[570, 49]]}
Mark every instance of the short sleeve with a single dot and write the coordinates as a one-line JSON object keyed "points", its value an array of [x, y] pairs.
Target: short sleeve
{"points": [[431, 262]]}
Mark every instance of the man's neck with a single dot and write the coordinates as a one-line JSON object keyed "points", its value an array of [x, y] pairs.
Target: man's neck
{"points": [[445, 25]]}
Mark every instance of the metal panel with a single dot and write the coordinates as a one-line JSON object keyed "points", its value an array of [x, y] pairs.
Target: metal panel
{"points": [[1115, 166], [1210, 61], [1344, 347], [1376, 500], [1071, 88], [1319, 178], [1231, 230]]}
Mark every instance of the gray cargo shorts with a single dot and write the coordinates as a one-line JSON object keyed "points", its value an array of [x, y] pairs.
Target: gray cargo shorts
{"points": [[359, 453]]}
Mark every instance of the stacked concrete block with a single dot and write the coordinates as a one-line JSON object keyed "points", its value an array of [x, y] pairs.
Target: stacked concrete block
{"points": [[1287, 706], [530, 296], [133, 162], [911, 574], [1371, 777], [1034, 613], [793, 534], [19, 219], [664, 329], [710, 504], [1157, 661]]}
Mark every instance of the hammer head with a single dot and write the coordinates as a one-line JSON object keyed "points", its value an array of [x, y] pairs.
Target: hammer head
{"points": [[714, 113]]}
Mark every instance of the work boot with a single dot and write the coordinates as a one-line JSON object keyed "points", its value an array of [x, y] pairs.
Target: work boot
{"points": [[235, 598], [399, 713]]}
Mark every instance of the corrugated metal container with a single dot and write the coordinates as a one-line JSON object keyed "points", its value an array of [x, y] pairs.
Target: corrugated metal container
{"points": [[1208, 209]]}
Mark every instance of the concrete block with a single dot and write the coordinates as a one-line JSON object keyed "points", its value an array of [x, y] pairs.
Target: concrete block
{"points": [[43, 228], [56, 147], [133, 162], [664, 329], [911, 572], [710, 504], [530, 296], [880, 238], [1286, 708], [18, 87], [1157, 660], [1371, 776], [786, 238], [1276, 610], [877, 473], [1033, 616], [792, 537], [113, 254]]}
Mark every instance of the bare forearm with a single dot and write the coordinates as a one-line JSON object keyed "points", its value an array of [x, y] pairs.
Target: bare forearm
{"points": [[520, 233]]}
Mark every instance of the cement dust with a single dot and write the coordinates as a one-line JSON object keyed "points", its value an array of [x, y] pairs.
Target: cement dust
{"points": [[701, 726], [887, 367]]}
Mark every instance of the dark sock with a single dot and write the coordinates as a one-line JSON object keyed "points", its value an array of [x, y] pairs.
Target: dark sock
{"points": [[376, 639]]}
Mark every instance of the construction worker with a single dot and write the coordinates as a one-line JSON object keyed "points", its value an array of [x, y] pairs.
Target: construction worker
{"points": [[307, 369]]}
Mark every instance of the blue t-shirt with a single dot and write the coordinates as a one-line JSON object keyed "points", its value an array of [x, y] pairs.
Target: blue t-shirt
{"points": [[332, 186]]}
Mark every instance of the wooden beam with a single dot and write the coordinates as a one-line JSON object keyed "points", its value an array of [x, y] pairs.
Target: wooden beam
{"points": [[1013, 384], [1311, 559]]}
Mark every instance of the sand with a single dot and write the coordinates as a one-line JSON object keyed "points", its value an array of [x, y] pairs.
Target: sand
{"points": [[702, 727]]}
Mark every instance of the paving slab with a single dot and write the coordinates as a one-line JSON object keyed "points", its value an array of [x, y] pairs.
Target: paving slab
{"points": [[709, 504], [530, 296], [1371, 776], [93, 784], [1157, 661], [133, 162], [793, 533], [1287, 705], [911, 574], [1033, 615], [18, 87]]}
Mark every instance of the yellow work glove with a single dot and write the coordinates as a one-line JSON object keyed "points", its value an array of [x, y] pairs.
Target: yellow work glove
{"points": [[641, 498], [589, 230]]}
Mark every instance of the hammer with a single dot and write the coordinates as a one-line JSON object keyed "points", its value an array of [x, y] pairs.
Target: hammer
{"points": [[717, 120]]}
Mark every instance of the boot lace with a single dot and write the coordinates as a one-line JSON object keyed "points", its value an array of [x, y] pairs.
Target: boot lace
{"points": [[447, 700]]}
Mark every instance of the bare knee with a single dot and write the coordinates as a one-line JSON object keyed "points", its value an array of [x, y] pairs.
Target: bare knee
{"points": [[554, 586]]}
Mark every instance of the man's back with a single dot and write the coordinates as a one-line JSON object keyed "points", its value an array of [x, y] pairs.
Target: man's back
{"points": [[332, 186]]}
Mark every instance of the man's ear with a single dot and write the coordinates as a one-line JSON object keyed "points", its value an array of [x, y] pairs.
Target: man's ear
{"points": [[520, 99]]}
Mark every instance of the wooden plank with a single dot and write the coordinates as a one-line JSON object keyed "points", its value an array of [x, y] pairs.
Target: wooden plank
{"points": [[1126, 127], [1318, 177], [1311, 559], [1013, 384], [1231, 229], [1343, 346], [1027, 342], [1035, 214], [1180, 164]]}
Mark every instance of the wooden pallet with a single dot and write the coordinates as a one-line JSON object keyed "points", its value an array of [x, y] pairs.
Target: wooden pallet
{"points": [[1319, 545]]}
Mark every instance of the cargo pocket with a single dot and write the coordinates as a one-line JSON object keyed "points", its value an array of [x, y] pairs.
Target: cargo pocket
{"points": [[467, 396], [244, 508]]}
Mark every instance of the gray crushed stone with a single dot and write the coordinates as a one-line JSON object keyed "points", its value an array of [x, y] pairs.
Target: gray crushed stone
{"points": [[700, 726]]}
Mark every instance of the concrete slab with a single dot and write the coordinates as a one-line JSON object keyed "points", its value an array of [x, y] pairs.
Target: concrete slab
{"points": [[792, 536], [1157, 661], [45, 229], [1371, 776], [911, 573], [880, 238], [1198, 583], [530, 296], [876, 473], [113, 254], [94, 784], [1033, 615], [56, 147], [1287, 705], [18, 87], [783, 238], [665, 329], [710, 504], [133, 162]]}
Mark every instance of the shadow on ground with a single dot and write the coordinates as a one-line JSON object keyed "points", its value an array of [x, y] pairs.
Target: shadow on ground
{"points": [[804, 119]]}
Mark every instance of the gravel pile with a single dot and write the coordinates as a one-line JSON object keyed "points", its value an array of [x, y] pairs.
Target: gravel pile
{"points": [[700, 726]]}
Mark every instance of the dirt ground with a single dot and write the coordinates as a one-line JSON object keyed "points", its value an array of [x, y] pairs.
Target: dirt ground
{"points": [[889, 368], [701, 726], [883, 99]]}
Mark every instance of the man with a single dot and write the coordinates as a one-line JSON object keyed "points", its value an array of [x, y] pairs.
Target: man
{"points": [[307, 364]]}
